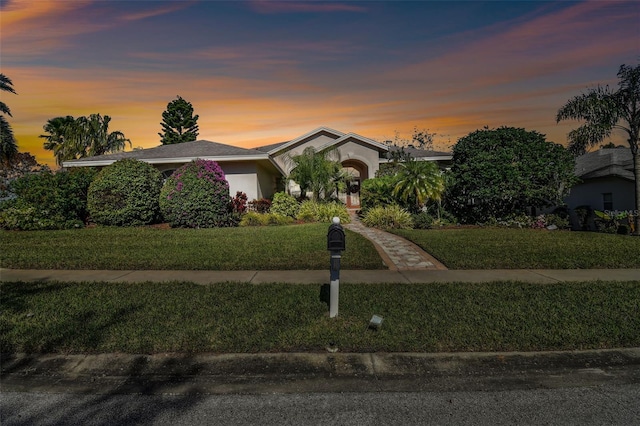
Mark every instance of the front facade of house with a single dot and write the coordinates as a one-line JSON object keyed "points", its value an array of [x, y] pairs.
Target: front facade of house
{"points": [[607, 181], [259, 172]]}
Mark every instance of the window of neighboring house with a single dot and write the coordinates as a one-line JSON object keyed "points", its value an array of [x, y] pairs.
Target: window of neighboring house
{"points": [[607, 201]]}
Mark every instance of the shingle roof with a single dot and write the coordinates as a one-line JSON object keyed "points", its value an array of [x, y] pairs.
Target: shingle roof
{"points": [[267, 148], [193, 149], [605, 162]]}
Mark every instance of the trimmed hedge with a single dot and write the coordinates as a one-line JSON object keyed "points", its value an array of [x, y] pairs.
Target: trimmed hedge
{"points": [[125, 194], [197, 196]]}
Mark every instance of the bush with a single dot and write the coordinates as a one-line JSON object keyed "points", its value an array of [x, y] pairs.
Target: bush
{"points": [[263, 205], [285, 205], [313, 211], [125, 194], [422, 220], [239, 203], [377, 192], [197, 196], [388, 217], [264, 219], [48, 200]]}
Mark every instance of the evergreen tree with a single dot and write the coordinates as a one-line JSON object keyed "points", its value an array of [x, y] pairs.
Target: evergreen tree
{"points": [[178, 123]]}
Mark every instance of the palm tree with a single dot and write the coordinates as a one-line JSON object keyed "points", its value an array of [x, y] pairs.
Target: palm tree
{"points": [[417, 182], [604, 110], [60, 138], [70, 138], [315, 171], [8, 144]]}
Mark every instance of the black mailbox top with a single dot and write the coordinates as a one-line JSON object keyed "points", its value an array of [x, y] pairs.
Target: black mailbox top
{"points": [[336, 238]]}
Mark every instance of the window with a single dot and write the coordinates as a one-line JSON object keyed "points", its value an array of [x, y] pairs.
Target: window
{"points": [[607, 201]]}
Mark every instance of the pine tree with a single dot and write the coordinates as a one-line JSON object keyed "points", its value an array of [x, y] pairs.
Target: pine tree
{"points": [[178, 123]]}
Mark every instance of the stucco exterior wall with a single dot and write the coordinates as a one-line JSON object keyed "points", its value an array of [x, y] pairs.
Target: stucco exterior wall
{"points": [[364, 154], [590, 193], [317, 142]]}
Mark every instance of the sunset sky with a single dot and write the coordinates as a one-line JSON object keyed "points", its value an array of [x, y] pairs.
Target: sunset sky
{"points": [[259, 72]]}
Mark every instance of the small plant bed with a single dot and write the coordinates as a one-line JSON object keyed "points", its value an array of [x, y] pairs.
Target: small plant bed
{"points": [[148, 248], [501, 248], [50, 317]]}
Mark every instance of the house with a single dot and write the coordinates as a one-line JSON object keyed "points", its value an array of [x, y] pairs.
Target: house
{"points": [[606, 180], [259, 172]]}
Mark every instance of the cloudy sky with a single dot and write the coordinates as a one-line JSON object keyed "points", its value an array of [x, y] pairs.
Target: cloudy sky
{"points": [[259, 72]]}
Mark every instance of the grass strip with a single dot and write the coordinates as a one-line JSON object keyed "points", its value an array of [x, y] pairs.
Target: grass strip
{"points": [[146, 248], [59, 317], [503, 248]]}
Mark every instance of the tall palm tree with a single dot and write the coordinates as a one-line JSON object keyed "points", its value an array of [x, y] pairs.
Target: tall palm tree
{"points": [[61, 133], [604, 110], [70, 138], [8, 144], [418, 182]]}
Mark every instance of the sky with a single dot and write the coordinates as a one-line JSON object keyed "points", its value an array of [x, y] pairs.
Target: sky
{"points": [[259, 72]]}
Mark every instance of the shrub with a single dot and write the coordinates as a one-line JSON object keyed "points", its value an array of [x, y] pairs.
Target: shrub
{"points": [[313, 211], [377, 192], [197, 196], [388, 217], [264, 219], [422, 220], [263, 205], [48, 200], [125, 194], [285, 204], [239, 203]]}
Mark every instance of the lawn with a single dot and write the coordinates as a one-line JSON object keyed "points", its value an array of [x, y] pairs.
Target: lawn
{"points": [[502, 248], [146, 248], [94, 317]]}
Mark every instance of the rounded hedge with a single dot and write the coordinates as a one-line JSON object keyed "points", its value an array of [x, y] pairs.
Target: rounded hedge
{"points": [[196, 196], [125, 194]]}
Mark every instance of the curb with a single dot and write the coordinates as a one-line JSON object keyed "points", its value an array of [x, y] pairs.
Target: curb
{"points": [[316, 372]]}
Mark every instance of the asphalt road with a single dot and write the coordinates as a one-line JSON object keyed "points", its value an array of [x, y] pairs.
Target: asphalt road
{"points": [[597, 405]]}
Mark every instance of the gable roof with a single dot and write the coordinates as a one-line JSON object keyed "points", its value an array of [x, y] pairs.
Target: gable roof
{"points": [[176, 153], [605, 162]]}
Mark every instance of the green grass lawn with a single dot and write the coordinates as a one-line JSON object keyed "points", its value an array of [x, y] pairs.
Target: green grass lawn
{"points": [[245, 248], [500, 248], [98, 317]]}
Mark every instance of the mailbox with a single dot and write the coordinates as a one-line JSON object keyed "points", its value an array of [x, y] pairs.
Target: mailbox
{"points": [[336, 238]]}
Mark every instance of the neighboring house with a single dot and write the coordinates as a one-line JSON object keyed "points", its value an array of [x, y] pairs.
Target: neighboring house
{"points": [[606, 180], [258, 172]]}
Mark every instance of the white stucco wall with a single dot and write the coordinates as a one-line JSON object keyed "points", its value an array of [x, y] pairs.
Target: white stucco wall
{"points": [[317, 142]]}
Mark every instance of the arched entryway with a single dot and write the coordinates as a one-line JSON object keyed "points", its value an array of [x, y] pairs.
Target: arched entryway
{"points": [[358, 171]]}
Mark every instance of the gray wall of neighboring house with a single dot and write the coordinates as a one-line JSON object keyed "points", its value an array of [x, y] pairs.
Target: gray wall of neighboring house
{"points": [[591, 193]]}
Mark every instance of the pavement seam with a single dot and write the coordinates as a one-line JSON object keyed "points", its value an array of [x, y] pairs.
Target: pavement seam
{"points": [[536, 272], [253, 277]]}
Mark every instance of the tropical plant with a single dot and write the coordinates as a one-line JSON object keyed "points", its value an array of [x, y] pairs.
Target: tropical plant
{"points": [[314, 211], [388, 217], [178, 123], [70, 138], [265, 219], [8, 144], [604, 110], [317, 171], [197, 196], [377, 192], [285, 204], [417, 182], [125, 193], [506, 171]]}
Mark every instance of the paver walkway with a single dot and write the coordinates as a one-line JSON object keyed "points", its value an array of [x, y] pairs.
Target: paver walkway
{"points": [[397, 253]]}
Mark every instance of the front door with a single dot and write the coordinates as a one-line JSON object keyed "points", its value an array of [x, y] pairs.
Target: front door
{"points": [[353, 193]]}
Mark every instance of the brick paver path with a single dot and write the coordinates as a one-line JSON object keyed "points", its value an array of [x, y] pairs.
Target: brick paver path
{"points": [[397, 252]]}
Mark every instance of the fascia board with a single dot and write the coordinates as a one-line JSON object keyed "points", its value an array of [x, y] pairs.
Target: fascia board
{"points": [[169, 160], [306, 135]]}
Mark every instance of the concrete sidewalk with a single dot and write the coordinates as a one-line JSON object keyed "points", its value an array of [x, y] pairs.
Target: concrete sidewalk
{"points": [[542, 276]]}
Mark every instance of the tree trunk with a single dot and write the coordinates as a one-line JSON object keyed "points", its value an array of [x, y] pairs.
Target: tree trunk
{"points": [[636, 174]]}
